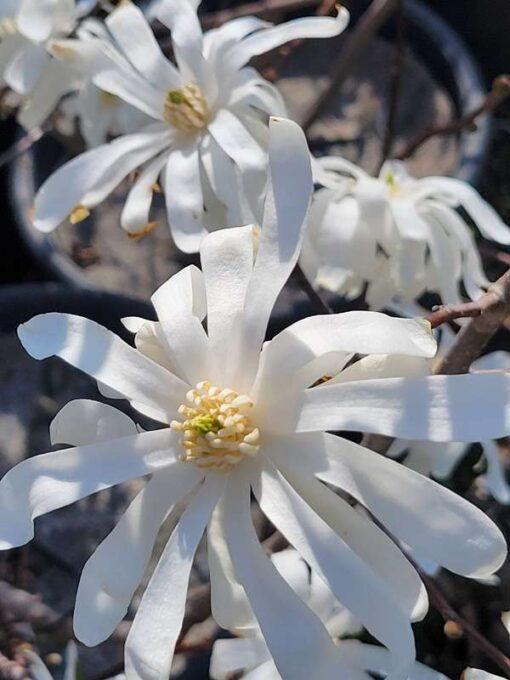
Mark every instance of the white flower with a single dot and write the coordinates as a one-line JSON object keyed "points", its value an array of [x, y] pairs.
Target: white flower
{"points": [[207, 138], [250, 654], [27, 27], [238, 416], [401, 236]]}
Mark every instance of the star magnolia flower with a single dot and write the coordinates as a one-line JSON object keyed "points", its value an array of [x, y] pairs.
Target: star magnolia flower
{"points": [[401, 236], [207, 138], [26, 29], [237, 415], [249, 654]]}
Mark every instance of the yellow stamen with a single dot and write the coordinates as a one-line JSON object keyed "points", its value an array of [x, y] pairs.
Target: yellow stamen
{"points": [[79, 213], [186, 109], [216, 430]]}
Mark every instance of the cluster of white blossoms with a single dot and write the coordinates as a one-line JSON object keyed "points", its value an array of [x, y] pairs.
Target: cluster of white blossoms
{"points": [[27, 28], [173, 375], [205, 136], [396, 236]]}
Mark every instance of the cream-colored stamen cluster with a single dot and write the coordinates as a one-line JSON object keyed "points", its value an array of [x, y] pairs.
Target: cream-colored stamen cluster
{"points": [[186, 109], [217, 431]]}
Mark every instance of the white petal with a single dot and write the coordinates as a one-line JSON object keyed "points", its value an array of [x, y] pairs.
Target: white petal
{"points": [[485, 217], [297, 640], [476, 674], [184, 199], [35, 18], [268, 39], [111, 576], [361, 535], [383, 366], [105, 357], [132, 32], [66, 187], [25, 68], [135, 213], [236, 141], [53, 480], [231, 656], [410, 247], [496, 477], [227, 263], [175, 303], [377, 660], [435, 408], [285, 211], [354, 583], [350, 332], [151, 640], [83, 421], [456, 534], [230, 606]]}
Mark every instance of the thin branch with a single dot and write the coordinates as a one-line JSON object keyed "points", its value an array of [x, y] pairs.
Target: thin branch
{"points": [[499, 93], [22, 145], [489, 313], [315, 297], [367, 26], [397, 68], [264, 7]]}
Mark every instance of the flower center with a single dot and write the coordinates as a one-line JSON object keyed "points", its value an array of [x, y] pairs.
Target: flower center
{"points": [[186, 109], [217, 431]]}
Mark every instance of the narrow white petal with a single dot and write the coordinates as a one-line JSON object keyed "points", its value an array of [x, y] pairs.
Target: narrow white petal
{"points": [[131, 31], [350, 332], [455, 534], [111, 576], [66, 187], [435, 408], [383, 366], [53, 480], [35, 19], [105, 357], [268, 39], [476, 674], [485, 217], [363, 537], [230, 606], [176, 303], [227, 263], [184, 199], [151, 640], [135, 213], [241, 654], [286, 207], [25, 68], [354, 583], [83, 421], [299, 643]]}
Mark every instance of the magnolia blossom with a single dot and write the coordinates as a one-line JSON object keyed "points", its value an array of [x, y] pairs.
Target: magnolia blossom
{"points": [[238, 416], [208, 132], [26, 29], [396, 235], [251, 655]]}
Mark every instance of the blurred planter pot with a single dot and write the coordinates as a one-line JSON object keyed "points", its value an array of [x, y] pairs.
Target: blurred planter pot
{"points": [[20, 302], [97, 255]]}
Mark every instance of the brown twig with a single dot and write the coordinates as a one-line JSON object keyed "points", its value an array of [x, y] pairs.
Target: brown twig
{"points": [[397, 68], [499, 93], [441, 604], [489, 313], [367, 26]]}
